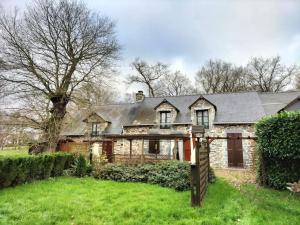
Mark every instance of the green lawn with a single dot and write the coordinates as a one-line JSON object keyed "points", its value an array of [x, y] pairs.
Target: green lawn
{"points": [[12, 151], [89, 201]]}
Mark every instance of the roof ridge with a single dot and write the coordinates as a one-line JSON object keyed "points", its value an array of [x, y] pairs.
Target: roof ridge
{"points": [[279, 92], [120, 103], [199, 94]]}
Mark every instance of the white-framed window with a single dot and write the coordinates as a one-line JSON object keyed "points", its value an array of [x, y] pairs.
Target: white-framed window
{"points": [[95, 129], [202, 118], [165, 119]]}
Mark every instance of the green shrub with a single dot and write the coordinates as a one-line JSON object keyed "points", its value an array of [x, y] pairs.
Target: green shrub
{"points": [[22, 169], [59, 165], [48, 164], [172, 174], [211, 176], [80, 166], [279, 149], [69, 160]]}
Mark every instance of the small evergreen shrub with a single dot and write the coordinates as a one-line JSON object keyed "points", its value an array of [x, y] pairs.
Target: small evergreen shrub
{"points": [[279, 149], [172, 174], [22, 169], [80, 166]]}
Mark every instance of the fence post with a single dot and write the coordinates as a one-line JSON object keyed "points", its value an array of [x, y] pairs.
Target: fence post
{"points": [[195, 178]]}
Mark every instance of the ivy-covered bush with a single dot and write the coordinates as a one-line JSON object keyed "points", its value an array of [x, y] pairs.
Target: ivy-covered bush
{"points": [[172, 174], [279, 149], [22, 169]]}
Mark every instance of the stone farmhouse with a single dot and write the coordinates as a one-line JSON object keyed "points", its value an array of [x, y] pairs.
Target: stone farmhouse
{"points": [[158, 127]]}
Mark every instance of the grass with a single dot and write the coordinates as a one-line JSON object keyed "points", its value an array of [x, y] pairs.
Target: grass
{"points": [[88, 201], [12, 151]]}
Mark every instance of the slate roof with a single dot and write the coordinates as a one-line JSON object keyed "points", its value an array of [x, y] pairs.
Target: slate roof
{"points": [[274, 102], [232, 108]]}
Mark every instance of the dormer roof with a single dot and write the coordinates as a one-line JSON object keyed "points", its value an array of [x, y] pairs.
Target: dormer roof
{"points": [[167, 102], [205, 99], [95, 115]]}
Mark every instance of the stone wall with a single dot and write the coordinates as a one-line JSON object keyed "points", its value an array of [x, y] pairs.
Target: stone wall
{"points": [[218, 148], [218, 154]]}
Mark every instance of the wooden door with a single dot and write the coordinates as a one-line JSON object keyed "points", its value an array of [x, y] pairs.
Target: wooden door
{"points": [[235, 150], [187, 149], [107, 149]]}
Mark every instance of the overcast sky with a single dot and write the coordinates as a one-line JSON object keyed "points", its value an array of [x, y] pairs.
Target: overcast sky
{"points": [[186, 33]]}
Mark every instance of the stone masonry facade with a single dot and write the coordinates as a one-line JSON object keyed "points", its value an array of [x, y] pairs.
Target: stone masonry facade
{"points": [[218, 148]]}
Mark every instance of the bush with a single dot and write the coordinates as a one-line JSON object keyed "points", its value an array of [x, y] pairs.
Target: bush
{"points": [[59, 164], [279, 149], [80, 166], [211, 176], [19, 170], [172, 174]]}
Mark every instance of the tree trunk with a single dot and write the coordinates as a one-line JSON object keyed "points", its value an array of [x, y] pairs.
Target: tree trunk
{"points": [[53, 129]]}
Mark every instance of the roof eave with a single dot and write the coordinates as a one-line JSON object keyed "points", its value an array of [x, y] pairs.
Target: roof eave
{"points": [[234, 123]]}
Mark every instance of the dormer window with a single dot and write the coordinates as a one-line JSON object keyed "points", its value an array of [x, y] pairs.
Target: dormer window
{"points": [[202, 118], [165, 119], [95, 129]]}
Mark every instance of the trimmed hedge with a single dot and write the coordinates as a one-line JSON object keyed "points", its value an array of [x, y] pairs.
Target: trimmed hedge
{"points": [[172, 174], [279, 149], [23, 169]]}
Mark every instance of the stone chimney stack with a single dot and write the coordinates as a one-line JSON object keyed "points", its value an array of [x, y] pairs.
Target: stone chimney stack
{"points": [[139, 96]]}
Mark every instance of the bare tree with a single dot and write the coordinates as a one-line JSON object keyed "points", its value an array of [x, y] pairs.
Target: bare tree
{"points": [[219, 76], [269, 75], [51, 49], [297, 81], [175, 84], [95, 93], [3, 91], [148, 75]]}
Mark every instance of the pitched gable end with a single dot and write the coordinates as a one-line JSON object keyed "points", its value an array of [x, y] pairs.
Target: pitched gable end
{"points": [[291, 105], [203, 98], [165, 101], [95, 117]]}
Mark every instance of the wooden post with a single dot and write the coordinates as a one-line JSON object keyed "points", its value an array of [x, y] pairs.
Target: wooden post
{"points": [[130, 148], [113, 151], [142, 156], [175, 149], [208, 151], [195, 178]]}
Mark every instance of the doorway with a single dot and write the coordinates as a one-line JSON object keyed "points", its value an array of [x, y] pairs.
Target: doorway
{"points": [[107, 150], [235, 150]]}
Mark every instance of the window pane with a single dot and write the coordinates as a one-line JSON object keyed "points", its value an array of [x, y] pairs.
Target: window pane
{"points": [[202, 118], [162, 117], [165, 120], [199, 117], [95, 128], [168, 117]]}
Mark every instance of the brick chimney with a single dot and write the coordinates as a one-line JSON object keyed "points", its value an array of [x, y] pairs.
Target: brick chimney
{"points": [[139, 96]]}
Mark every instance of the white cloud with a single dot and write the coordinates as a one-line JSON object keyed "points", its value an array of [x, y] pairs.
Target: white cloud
{"points": [[188, 33]]}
